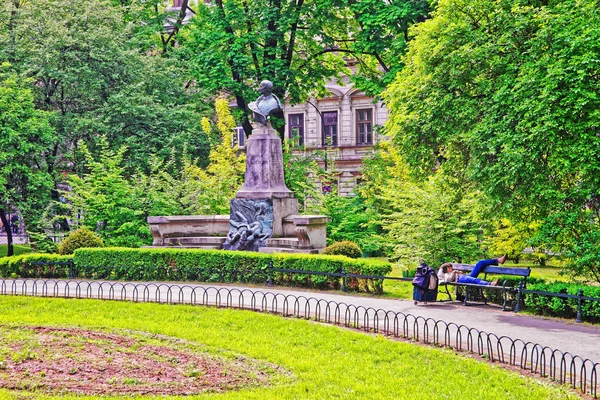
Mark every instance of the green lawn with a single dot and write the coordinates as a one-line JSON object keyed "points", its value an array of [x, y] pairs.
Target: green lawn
{"points": [[325, 362], [19, 249]]}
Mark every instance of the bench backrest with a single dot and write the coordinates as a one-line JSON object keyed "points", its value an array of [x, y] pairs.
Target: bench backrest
{"points": [[493, 269]]}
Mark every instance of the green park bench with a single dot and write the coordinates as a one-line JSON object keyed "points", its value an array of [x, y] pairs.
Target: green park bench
{"points": [[491, 269]]}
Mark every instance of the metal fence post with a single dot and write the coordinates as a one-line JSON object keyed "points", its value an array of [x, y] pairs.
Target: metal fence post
{"points": [[71, 270], [519, 295], [271, 273], [579, 316], [343, 280]]}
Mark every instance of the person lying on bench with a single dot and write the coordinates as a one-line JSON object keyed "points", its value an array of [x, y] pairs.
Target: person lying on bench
{"points": [[446, 273]]}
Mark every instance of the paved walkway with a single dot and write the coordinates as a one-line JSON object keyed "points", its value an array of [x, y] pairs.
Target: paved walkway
{"points": [[567, 336]]}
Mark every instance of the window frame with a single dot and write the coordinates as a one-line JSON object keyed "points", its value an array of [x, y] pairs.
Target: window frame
{"points": [[236, 133], [325, 127], [366, 137], [301, 126]]}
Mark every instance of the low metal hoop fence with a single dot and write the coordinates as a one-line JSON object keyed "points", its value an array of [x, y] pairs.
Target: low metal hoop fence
{"points": [[562, 367]]}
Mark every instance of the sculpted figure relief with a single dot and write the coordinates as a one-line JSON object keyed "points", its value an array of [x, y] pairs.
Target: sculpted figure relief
{"points": [[266, 104]]}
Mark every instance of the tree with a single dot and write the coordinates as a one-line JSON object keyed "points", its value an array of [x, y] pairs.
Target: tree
{"points": [[506, 91], [209, 190], [94, 66], [296, 44], [26, 139], [106, 202]]}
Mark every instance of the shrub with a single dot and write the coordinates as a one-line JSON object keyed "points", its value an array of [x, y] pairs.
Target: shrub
{"points": [[80, 238], [561, 307], [344, 248], [41, 243], [222, 266], [22, 266]]}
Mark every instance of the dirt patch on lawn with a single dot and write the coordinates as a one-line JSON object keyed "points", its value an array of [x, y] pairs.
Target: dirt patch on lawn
{"points": [[59, 360]]}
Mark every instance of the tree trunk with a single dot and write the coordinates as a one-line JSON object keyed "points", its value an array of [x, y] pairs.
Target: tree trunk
{"points": [[8, 229]]}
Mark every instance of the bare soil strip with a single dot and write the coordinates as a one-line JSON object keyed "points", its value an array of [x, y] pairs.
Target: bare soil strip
{"points": [[60, 360]]}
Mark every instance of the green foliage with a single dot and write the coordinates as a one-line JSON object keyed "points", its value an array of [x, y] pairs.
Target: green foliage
{"points": [[298, 45], [22, 267], [216, 266], [77, 239], [506, 93], [563, 308], [41, 243], [320, 361], [209, 191], [94, 67], [344, 248], [432, 221], [512, 239], [26, 141], [109, 203], [300, 170]]}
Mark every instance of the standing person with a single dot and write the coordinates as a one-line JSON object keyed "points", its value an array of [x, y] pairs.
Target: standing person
{"points": [[446, 273]]}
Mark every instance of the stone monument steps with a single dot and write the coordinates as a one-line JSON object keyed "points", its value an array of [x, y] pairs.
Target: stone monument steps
{"points": [[289, 242], [213, 242], [269, 250]]}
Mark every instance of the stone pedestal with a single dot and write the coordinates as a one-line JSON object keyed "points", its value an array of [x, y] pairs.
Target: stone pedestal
{"points": [[264, 200], [264, 177]]}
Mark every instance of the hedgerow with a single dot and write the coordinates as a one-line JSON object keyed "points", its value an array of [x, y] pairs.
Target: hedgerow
{"points": [[560, 307], [222, 266], [22, 266]]}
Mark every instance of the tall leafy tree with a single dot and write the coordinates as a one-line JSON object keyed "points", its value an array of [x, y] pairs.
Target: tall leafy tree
{"points": [[26, 140], [507, 91], [297, 44], [94, 65]]}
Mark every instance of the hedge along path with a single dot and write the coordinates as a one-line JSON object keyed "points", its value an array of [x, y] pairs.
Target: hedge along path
{"points": [[198, 265], [324, 361], [561, 366]]}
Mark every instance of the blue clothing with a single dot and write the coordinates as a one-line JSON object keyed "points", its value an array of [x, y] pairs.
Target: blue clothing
{"points": [[481, 264], [470, 279]]}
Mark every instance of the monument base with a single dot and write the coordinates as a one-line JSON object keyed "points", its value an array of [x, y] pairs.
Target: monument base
{"points": [[250, 224], [263, 216]]}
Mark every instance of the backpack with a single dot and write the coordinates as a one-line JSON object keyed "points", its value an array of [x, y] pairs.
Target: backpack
{"points": [[425, 277]]}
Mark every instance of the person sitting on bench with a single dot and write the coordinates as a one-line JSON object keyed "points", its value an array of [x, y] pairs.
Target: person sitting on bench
{"points": [[446, 272]]}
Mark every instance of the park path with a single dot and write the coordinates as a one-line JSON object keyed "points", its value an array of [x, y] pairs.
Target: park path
{"points": [[362, 311]]}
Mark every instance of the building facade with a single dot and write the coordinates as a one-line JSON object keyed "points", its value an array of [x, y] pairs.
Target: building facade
{"points": [[342, 126]]}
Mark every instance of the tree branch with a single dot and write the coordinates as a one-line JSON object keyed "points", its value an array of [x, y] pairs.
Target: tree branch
{"points": [[176, 27]]}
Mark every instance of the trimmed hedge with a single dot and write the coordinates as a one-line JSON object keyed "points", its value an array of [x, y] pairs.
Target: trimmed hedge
{"points": [[21, 266], [564, 308], [221, 266]]}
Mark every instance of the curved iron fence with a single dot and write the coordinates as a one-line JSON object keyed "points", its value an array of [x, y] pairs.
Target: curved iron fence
{"points": [[563, 367]]}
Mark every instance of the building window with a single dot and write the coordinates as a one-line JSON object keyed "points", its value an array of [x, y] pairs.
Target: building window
{"points": [[330, 128], [296, 128], [364, 126], [238, 137]]}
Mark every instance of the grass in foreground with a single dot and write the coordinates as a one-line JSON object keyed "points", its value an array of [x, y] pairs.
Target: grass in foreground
{"points": [[324, 361]]}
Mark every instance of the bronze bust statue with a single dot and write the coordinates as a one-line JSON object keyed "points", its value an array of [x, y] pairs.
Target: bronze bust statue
{"points": [[266, 104]]}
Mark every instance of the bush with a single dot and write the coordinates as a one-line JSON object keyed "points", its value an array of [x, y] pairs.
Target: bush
{"points": [[22, 266], [560, 307], [80, 238], [221, 266], [344, 248], [41, 243]]}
